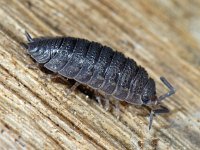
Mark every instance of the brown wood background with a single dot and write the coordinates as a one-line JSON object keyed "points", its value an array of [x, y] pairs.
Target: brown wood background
{"points": [[163, 36]]}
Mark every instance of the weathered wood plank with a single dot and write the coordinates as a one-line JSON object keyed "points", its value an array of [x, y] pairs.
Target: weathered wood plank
{"points": [[162, 36]]}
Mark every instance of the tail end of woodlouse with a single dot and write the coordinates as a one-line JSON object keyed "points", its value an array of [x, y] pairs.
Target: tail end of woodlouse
{"points": [[28, 37]]}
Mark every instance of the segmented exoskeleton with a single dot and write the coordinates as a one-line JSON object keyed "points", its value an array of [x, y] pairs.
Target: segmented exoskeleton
{"points": [[99, 67]]}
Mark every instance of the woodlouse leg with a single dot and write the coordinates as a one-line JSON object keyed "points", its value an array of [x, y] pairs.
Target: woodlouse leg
{"points": [[117, 110], [104, 99], [151, 119], [34, 66], [69, 91], [49, 77], [63, 78], [107, 103], [161, 110], [99, 100]]}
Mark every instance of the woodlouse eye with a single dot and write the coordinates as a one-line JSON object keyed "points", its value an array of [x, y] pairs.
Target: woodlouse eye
{"points": [[145, 99]]}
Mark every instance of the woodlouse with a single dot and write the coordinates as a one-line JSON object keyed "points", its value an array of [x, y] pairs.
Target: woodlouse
{"points": [[100, 68]]}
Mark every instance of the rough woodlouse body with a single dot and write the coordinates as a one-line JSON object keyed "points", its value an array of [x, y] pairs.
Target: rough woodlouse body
{"points": [[99, 67]]}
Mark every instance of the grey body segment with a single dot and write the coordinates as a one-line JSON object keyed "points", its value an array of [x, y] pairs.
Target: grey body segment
{"points": [[113, 72], [62, 56], [100, 67], [137, 85], [91, 58], [74, 65], [124, 82]]}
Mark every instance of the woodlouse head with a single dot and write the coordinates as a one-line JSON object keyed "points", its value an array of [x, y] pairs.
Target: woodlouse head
{"points": [[149, 93], [154, 100]]}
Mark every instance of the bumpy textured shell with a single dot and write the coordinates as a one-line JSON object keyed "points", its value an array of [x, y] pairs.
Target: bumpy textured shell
{"points": [[95, 65]]}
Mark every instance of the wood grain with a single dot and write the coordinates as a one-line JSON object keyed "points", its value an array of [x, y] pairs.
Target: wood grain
{"points": [[162, 36]]}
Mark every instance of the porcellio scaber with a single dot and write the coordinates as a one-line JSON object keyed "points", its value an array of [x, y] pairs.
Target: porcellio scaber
{"points": [[99, 67]]}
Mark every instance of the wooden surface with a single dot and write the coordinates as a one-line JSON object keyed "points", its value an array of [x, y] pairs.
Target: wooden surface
{"points": [[163, 36]]}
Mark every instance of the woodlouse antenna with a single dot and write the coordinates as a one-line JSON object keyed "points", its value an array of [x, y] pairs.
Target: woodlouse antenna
{"points": [[169, 86], [151, 119], [161, 110], [28, 36]]}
